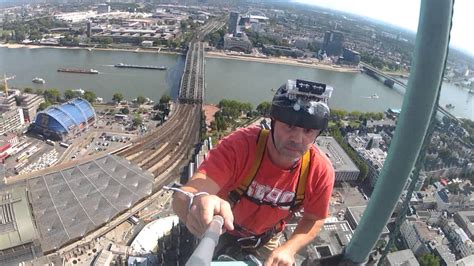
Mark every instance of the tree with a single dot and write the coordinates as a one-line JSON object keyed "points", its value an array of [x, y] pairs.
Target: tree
{"points": [[6, 36], [39, 91], [117, 97], [264, 108], [35, 35], [69, 94], [428, 260], [453, 188], [90, 96], [246, 107], [125, 111], [137, 121], [219, 122], [19, 36], [165, 98], [141, 100], [183, 25], [43, 106], [107, 40], [28, 90], [52, 95]]}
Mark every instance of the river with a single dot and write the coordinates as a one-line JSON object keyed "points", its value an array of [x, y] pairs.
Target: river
{"points": [[225, 78]]}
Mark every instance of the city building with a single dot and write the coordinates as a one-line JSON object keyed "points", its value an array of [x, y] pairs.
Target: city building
{"points": [[403, 257], [442, 199], [105, 257], [239, 42], [8, 100], [469, 260], [345, 169], [465, 220], [103, 8], [333, 43], [17, 231], [277, 50], [459, 239], [232, 26], [252, 19], [134, 35], [452, 202], [354, 214], [89, 29], [420, 237], [374, 156], [302, 43], [147, 44], [445, 255], [331, 240], [11, 117], [349, 57], [30, 104], [66, 120], [11, 120]]}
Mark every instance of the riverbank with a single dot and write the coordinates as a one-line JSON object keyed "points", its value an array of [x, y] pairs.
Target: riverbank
{"points": [[131, 49], [283, 61]]}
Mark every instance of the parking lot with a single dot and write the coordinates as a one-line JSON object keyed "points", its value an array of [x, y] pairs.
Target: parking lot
{"points": [[112, 130], [32, 153]]}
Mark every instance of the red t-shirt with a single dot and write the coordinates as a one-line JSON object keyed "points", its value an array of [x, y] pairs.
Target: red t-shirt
{"points": [[230, 162]]}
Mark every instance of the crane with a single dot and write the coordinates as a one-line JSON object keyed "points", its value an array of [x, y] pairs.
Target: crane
{"points": [[5, 79]]}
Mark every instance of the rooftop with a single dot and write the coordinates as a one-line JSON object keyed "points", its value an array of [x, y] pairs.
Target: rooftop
{"points": [[147, 240], [333, 237], [357, 212], [468, 218], [70, 203], [426, 233], [339, 158], [446, 255], [403, 257], [16, 223]]}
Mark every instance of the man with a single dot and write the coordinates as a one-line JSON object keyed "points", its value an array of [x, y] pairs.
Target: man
{"points": [[257, 179]]}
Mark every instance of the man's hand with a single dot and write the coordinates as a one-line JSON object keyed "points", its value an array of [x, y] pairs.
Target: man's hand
{"points": [[281, 256], [202, 211]]}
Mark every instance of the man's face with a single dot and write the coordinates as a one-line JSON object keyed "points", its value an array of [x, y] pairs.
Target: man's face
{"points": [[292, 141]]}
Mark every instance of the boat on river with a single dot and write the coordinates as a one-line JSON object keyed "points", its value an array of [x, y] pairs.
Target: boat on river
{"points": [[78, 70], [122, 65], [38, 80]]}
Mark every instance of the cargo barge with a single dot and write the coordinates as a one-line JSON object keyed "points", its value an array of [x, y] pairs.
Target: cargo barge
{"points": [[79, 71], [122, 65]]}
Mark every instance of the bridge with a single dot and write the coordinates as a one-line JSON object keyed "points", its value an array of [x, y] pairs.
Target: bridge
{"points": [[374, 72], [371, 71], [192, 81]]}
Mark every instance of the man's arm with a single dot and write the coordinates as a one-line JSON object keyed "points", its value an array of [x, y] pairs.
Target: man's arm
{"points": [[204, 207], [306, 230]]}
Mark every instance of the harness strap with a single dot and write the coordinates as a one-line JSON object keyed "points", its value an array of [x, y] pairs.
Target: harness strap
{"points": [[261, 146], [300, 190]]}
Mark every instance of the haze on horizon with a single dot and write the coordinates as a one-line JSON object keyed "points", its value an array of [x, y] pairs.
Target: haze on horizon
{"points": [[405, 14]]}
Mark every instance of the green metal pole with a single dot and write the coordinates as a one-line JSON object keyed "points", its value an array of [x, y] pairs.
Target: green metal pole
{"points": [[418, 105]]}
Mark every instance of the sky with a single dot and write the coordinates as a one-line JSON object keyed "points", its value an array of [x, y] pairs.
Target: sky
{"points": [[405, 13]]}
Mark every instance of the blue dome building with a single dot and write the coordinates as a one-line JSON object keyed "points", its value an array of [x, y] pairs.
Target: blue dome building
{"points": [[68, 119]]}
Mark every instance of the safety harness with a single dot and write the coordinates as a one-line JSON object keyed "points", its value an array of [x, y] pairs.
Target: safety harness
{"points": [[241, 191]]}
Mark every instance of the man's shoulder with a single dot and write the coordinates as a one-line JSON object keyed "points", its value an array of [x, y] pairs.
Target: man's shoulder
{"points": [[318, 156]]}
